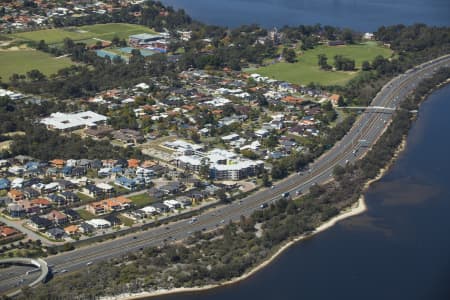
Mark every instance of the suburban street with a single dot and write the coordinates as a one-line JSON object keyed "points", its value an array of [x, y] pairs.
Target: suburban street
{"points": [[368, 128]]}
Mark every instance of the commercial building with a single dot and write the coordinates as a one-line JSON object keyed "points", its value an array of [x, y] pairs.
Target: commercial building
{"points": [[222, 164], [72, 121], [144, 39]]}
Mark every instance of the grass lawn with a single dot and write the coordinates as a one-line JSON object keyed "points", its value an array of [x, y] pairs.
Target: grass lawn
{"points": [[86, 33], [306, 70], [84, 198], [142, 200], [22, 61], [126, 221], [85, 215], [119, 189]]}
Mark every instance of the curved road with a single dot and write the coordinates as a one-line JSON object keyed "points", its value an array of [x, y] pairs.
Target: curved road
{"points": [[369, 127]]}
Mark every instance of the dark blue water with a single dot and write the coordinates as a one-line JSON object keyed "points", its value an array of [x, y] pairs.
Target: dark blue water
{"points": [[398, 249], [363, 15]]}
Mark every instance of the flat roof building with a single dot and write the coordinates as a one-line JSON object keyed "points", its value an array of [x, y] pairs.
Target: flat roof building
{"points": [[72, 121], [144, 38], [99, 223]]}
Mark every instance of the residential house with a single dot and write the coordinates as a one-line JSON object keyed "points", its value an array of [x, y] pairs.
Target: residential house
{"points": [[111, 205], [172, 204], [42, 203], [66, 185], [184, 201], [15, 195], [128, 136], [29, 206], [78, 171], [161, 207], [125, 203], [86, 228], [108, 205], [4, 184], [57, 200], [196, 195], [99, 223], [57, 163], [156, 193], [71, 214], [39, 223], [55, 233], [6, 231], [106, 188], [50, 187], [57, 217], [148, 211], [84, 163], [30, 193], [70, 197], [125, 182], [96, 208], [114, 220], [71, 229], [172, 188], [104, 172], [15, 210], [93, 191], [67, 171], [334, 98]]}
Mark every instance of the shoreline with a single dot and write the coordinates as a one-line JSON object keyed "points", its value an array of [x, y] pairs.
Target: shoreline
{"points": [[357, 208]]}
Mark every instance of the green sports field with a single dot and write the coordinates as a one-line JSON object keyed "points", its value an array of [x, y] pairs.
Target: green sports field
{"points": [[88, 33], [306, 70], [22, 61]]}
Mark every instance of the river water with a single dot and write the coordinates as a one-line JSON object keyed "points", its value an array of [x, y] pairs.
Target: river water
{"points": [[398, 249], [363, 15]]}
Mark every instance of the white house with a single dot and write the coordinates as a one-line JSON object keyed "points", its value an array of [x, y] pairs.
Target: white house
{"points": [[99, 223]]}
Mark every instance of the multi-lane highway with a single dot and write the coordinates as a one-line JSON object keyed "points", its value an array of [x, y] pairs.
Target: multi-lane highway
{"points": [[368, 127]]}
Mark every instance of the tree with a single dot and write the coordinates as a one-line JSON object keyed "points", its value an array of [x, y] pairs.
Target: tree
{"points": [[115, 41], [265, 179], [347, 36], [365, 66], [289, 55], [271, 141], [35, 75], [222, 196], [341, 101], [279, 171], [68, 44], [42, 46], [204, 170], [249, 154], [195, 137], [343, 63], [323, 62], [338, 172]]}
